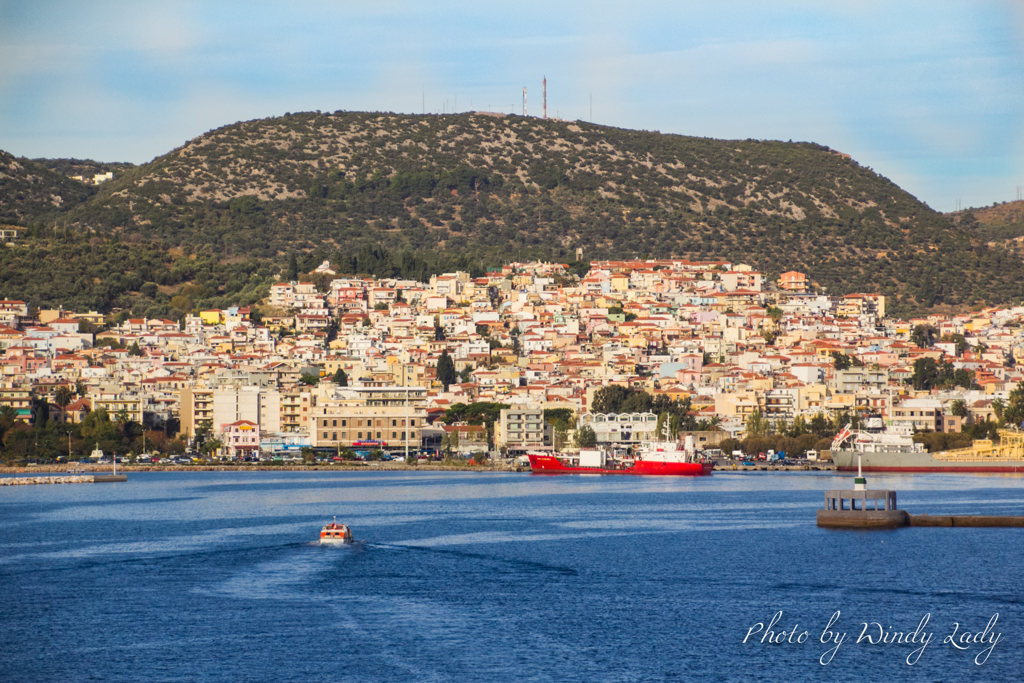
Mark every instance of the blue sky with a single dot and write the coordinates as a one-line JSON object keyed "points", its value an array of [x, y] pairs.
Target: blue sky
{"points": [[929, 94]]}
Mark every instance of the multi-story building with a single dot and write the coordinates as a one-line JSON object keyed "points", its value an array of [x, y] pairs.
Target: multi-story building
{"points": [[240, 438], [625, 429], [521, 430], [390, 417], [17, 397], [793, 281], [195, 408], [922, 414], [114, 402], [854, 379]]}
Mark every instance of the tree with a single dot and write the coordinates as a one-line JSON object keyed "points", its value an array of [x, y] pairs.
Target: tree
{"points": [[924, 335], [134, 350], [963, 378], [450, 441], [959, 408], [756, 424], [41, 411], [63, 397], [840, 361], [80, 388], [293, 268], [998, 407], [926, 373], [821, 427], [586, 437], [340, 378], [311, 380], [445, 370], [1013, 413], [210, 447]]}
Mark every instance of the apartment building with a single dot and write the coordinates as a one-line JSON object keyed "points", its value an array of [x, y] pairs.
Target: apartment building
{"points": [[522, 430], [391, 417]]}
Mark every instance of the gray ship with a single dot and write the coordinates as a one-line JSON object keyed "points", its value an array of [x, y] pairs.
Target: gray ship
{"points": [[883, 449]]}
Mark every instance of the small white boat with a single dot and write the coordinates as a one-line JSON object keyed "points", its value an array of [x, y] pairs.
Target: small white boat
{"points": [[335, 533]]}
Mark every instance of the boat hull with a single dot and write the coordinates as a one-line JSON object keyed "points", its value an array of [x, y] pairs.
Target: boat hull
{"points": [[547, 464], [846, 461]]}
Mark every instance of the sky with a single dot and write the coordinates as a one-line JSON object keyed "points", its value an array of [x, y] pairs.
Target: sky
{"points": [[928, 94]]}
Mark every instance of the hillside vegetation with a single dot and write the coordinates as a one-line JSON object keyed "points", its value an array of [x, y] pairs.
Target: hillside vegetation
{"points": [[407, 195], [1001, 223]]}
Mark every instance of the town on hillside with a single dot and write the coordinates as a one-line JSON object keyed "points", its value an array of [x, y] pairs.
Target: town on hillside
{"points": [[530, 358]]}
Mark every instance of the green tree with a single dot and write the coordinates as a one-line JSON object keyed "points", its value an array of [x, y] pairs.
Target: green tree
{"points": [[840, 361], [959, 408], [134, 350], [293, 267], [924, 335], [999, 407], [63, 397], [1013, 413], [926, 373], [586, 437], [41, 412], [445, 370], [757, 425], [311, 380], [609, 399], [340, 378]]}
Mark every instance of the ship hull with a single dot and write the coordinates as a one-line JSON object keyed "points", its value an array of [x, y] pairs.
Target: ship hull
{"points": [[846, 461], [547, 464]]}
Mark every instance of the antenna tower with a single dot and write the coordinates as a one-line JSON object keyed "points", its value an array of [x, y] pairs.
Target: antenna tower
{"points": [[524, 100], [545, 97]]}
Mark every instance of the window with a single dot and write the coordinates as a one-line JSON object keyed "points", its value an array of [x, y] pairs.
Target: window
{"points": [[394, 423], [394, 435], [334, 436], [325, 436], [378, 435], [360, 435], [344, 423], [412, 422], [334, 423]]}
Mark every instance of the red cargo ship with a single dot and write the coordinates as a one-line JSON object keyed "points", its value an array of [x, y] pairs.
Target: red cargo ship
{"points": [[664, 459]]}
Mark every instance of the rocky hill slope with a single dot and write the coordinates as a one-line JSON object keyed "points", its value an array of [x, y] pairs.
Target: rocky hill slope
{"points": [[399, 194]]}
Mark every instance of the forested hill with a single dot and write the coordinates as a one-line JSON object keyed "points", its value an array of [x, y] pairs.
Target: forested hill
{"points": [[399, 194], [29, 190]]}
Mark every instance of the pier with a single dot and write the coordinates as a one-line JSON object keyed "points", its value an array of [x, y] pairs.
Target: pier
{"points": [[861, 508], [68, 479]]}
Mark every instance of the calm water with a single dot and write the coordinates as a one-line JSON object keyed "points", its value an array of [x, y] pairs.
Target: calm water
{"points": [[495, 577]]}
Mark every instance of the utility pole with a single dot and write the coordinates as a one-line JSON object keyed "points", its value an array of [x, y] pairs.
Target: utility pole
{"points": [[405, 376]]}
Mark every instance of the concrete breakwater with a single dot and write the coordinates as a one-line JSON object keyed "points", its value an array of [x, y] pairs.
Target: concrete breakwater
{"points": [[26, 481]]}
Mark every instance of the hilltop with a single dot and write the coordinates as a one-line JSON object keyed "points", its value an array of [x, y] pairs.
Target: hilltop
{"points": [[1002, 223], [391, 194]]}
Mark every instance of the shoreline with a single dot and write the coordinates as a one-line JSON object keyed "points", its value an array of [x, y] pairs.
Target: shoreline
{"points": [[44, 470]]}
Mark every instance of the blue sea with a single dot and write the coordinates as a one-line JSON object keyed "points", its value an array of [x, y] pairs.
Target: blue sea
{"points": [[215, 576]]}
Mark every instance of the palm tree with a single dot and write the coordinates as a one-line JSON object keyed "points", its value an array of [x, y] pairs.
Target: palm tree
{"points": [[997, 407], [63, 396], [959, 408]]}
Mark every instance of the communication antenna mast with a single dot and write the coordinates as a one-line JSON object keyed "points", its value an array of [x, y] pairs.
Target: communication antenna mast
{"points": [[545, 98], [524, 100]]}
